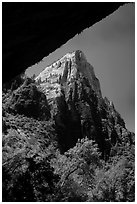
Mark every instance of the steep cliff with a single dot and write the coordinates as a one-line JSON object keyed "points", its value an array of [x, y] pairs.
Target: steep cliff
{"points": [[74, 94]]}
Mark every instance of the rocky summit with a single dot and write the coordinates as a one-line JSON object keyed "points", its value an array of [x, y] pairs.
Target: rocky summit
{"points": [[77, 106], [63, 73]]}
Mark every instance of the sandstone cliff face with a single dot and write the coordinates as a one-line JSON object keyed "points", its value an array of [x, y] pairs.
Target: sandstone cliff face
{"points": [[62, 73], [77, 105]]}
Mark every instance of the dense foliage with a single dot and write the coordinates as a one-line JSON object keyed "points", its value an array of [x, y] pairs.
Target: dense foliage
{"points": [[34, 167], [28, 100]]}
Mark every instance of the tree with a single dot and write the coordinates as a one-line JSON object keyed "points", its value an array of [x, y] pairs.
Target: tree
{"points": [[116, 182], [27, 174], [76, 169]]}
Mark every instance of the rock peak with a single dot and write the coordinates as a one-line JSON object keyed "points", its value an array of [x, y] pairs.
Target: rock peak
{"points": [[77, 54], [62, 73]]}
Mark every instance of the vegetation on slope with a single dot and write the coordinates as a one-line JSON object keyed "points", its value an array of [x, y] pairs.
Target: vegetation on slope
{"points": [[34, 169]]}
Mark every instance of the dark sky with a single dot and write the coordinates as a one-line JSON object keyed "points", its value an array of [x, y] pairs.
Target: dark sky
{"points": [[109, 47]]}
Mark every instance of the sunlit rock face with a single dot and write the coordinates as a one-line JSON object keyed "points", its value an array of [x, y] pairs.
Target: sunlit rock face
{"points": [[62, 73], [74, 94]]}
